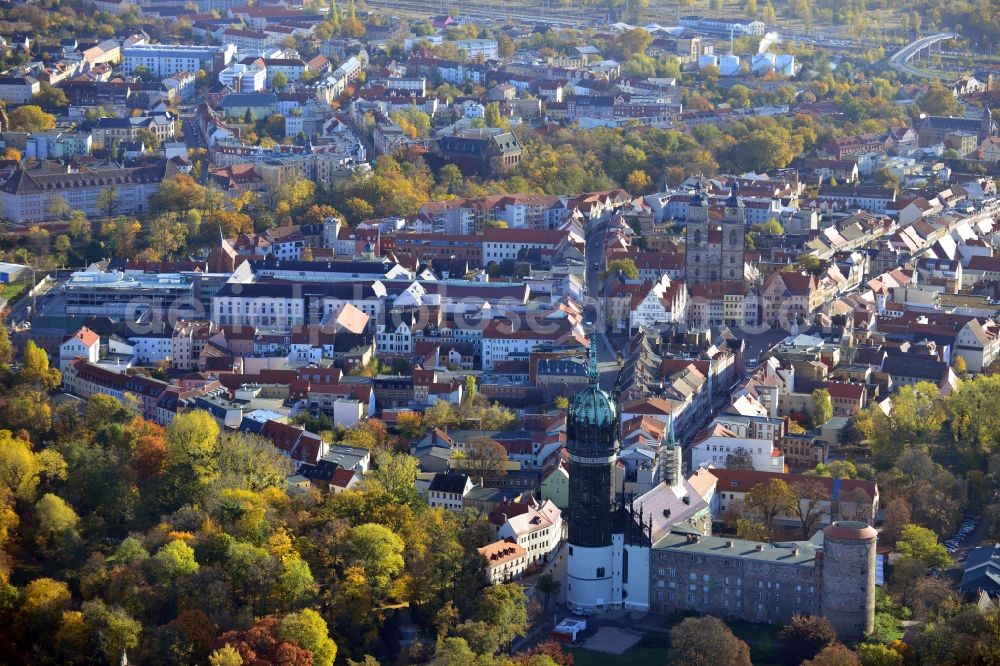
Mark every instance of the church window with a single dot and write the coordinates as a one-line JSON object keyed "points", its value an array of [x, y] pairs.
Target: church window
{"points": [[625, 567], [600, 572]]}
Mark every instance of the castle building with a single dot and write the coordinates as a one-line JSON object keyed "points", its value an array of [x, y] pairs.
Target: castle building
{"points": [[714, 250], [655, 552]]}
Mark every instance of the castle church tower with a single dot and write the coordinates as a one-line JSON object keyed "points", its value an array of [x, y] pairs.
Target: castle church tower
{"points": [[592, 430]]}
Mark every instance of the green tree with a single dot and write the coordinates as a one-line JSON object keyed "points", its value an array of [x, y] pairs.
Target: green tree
{"points": [[50, 98], [771, 228], [278, 81], [921, 544], [886, 178], [822, 407], [740, 458], [376, 549], [176, 559], [148, 139], [706, 641], [505, 607], [493, 118], [55, 517], [6, 349], [469, 394], [115, 630], [874, 654], [107, 200], [395, 474], [308, 629], [453, 652], [548, 586], [129, 550], [626, 267]]}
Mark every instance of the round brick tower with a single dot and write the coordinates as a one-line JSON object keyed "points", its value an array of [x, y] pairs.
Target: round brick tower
{"points": [[848, 585]]}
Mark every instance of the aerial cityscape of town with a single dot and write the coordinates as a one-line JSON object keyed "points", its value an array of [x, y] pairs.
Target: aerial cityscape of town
{"points": [[525, 333]]}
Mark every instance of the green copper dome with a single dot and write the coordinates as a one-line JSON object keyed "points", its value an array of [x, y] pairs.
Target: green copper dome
{"points": [[593, 416]]}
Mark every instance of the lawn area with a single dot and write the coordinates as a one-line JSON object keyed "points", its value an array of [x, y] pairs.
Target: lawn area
{"points": [[647, 652], [11, 291], [765, 648]]}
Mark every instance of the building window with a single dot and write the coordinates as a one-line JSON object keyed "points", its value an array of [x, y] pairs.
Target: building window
{"points": [[600, 572]]}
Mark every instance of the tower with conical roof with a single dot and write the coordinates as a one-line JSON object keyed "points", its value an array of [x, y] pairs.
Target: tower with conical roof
{"points": [[593, 453]]}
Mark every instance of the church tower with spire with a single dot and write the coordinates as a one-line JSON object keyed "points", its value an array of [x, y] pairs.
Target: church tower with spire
{"points": [[593, 453]]}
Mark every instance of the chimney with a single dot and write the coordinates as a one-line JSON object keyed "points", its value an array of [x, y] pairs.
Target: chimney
{"points": [[760, 547], [795, 551], [729, 544]]}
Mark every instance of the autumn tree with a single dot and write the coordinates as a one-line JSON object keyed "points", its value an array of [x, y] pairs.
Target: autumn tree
{"points": [[834, 655], [192, 441], [486, 458], [166, 235], [35, 370], [107, 200], [939, 100], [811, 503], [706, 641], [638, 182], [410, 425], [768, 502], [308, 629], [30, 118], [804, 637]]}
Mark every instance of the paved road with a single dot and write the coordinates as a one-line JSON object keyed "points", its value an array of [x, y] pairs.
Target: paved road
{"points": [[901, 59], [607, 354]]}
